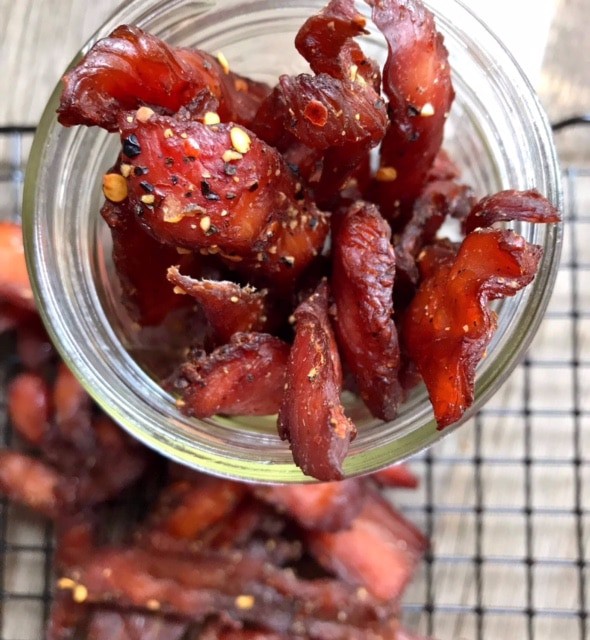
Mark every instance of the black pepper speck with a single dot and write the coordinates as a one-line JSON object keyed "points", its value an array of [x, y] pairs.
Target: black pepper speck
{"points": [[131, 146]]}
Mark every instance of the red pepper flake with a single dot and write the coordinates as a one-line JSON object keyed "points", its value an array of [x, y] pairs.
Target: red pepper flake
{"points": [[316, 113]]}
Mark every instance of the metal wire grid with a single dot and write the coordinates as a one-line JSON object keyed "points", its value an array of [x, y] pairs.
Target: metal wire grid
{"points": [[504, 499]]}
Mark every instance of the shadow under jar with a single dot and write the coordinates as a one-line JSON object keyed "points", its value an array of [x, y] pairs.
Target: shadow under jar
{"points": [[496, 132]]}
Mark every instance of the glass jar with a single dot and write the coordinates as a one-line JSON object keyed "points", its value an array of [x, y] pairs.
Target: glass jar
{"points": [[497, 132]]}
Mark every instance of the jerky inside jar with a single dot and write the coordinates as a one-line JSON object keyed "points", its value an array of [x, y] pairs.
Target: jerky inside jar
{"points": [[289, 239]]}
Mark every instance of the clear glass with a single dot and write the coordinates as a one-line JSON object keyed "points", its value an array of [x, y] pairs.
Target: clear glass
{"points": [[497, 132]]}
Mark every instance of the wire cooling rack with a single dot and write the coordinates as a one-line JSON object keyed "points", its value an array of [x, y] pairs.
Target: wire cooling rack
{"points": [[505, 499]]}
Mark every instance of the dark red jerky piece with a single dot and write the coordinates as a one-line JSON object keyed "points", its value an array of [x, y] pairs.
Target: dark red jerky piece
{"points": [[67, 618], [32, 483], [325, 506], [183, 200], [398, 476], [201, 200], [417, 82], [12, 316], [76, 538], [141, 263], [131, 68], [326, 41], [220, 631], [241, 97], [363, 270], [427, 217], [94, 461], [238, 528], [244, 377], [326, 107], [72, 412], [251, 526], [245, 587], [505, 206], [15, 287], [449, 325], [438, 201], [118, 625], [289, 248], [29, 407], [118, 463], [311, 415], [439, 253], [186, 509], [341, 120], [378, 551], [33, 346], [228, 307]]}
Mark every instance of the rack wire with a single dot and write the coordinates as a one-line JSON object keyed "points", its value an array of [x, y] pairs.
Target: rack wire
{"points": [[506, 499]]}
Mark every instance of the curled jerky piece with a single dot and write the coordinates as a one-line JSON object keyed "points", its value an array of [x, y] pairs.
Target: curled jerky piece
{"points": [[132, 68], [449, 324], [378, 551], [15, 287], [325, 506], [244, 377], [326, 41], [341, 121], [128, 69], [329, 112], [338, 112], [435, 255], [417, 82], [245, 587], [311, 415], [288, 248], [526, 206], [199, 189], [363, 270], [228, 307]]}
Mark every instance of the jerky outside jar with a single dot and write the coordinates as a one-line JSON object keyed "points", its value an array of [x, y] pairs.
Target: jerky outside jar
{"points": [[497, 132]]}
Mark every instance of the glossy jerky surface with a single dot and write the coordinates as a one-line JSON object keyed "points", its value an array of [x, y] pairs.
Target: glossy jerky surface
{"points": [[245, 376], [325, 506], [119, 73], [363, 272], [525, 206], [449, 324], [378, 551], [228, 307], [141, 264], [221, 190], [417, 83], [311, 416]]}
